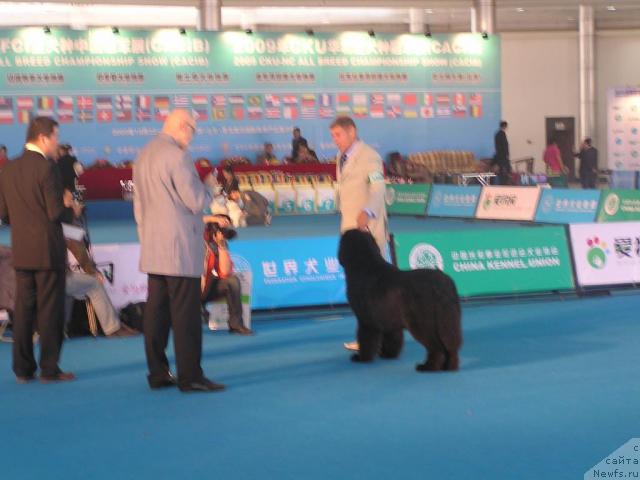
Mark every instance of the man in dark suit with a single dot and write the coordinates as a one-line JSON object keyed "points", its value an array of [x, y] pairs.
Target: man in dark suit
{"points": [[588, 156], [31, 202], [501, 158]]}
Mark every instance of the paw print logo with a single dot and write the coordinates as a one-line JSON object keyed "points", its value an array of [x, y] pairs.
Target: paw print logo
{"points": [[597, 253], [487, 202]]}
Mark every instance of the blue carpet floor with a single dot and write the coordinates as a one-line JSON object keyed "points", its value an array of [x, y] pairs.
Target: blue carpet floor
{"points": [[546, 390]]}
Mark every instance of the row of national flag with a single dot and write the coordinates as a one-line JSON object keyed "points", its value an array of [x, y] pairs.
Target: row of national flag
{"points": [[142, 108]]}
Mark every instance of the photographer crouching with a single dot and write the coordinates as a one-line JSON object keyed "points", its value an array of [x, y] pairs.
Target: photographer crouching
{"points": [[219, 280]]}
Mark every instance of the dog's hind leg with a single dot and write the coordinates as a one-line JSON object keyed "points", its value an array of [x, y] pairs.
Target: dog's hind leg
{"points": [[434, 363], [369, 342], [452, 362], [392, 344]]}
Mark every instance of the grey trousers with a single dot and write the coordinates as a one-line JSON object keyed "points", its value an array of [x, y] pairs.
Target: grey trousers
{"points": [[81, 285]]}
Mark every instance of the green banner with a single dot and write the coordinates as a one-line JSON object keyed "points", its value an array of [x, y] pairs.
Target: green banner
{"points": [[407, 199], [490, 262], [619, 206]]}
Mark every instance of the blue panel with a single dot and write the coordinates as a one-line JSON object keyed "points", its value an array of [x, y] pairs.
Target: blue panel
{"points": [[292, 272], [559, 205], [453, 201]]}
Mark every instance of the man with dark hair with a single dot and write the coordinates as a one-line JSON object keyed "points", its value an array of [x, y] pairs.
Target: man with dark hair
{"points": [[31, 201], [70, 167], [501, 158], [168, 206], [588, 156], [297, 140], [361, 188], [267, 156]]}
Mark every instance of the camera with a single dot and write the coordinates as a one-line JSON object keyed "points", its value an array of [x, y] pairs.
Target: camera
{"points": [[213, 227]]}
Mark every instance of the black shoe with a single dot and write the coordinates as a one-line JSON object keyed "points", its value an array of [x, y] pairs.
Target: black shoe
{"points": [[168, 381], [241, 330], [202, 385]]}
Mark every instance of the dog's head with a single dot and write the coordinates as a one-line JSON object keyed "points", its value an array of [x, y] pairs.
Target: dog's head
{"points": [[357, 249]]}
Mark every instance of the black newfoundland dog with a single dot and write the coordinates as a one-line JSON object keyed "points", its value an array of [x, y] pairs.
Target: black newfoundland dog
{"points": [[385, 300]]}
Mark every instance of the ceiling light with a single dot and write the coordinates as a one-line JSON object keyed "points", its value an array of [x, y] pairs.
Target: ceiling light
{"points": [[520, 10], [429, 11], [611, 8]]}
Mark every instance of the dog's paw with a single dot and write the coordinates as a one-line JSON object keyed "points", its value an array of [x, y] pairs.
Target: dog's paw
{"points": [[427, 367], [357, 358]]}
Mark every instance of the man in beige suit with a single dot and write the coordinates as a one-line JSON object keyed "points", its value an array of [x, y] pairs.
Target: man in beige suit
{"points": [[361, 186]]}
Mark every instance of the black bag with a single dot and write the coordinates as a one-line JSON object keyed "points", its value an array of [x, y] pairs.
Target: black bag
{"points": [[131, 315], [256, 208]]}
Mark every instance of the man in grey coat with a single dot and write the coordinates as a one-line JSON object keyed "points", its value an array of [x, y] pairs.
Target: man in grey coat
{"points": [[168, 203], [361, 186]]}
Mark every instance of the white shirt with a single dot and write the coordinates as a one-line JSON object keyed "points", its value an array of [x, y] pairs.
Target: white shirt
{"points": [[34, 148]]}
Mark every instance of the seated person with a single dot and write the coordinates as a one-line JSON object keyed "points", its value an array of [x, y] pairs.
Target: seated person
{"points": [[89, 283], [267, 157], [218, 279], [305, 155]]}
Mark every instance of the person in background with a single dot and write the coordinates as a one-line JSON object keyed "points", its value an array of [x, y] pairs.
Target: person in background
{"points": [[89, 283], [229, 180], [168, 208], [501, 161], [588, 156], [361, 188], [267, 156], [305, 155], [69, 166], [553, 159], [3, 156], [31, 202], [296, 141]]}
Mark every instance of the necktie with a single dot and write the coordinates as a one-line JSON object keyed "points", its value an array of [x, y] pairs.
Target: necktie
{"points": [[343, 160]]}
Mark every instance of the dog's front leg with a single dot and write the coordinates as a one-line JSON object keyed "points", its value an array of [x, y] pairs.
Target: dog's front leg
{"points": [[369, 340]]}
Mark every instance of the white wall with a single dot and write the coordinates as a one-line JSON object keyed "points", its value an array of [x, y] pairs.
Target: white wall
{"points": [[617, 65], [540, 78]]}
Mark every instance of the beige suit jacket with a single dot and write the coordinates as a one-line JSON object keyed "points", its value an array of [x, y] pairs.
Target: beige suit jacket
{"points": [[361, 186]]}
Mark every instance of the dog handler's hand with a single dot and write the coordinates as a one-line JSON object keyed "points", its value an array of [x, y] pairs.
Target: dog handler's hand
{"points": [[363, 221]]}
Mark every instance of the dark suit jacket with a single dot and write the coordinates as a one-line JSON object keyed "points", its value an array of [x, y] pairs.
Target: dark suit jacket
{"points": [[31, 201], [502, 147]]}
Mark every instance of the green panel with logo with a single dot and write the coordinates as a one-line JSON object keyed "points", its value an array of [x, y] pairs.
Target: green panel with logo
{"points": [[619, 206], [407, 199], [491, 262]]}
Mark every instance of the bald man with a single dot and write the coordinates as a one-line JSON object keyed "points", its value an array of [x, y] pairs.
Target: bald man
{"points": [[168, 203]]}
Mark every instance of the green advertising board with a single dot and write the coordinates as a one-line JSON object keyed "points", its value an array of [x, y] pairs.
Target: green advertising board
{"points": [[492, 262], [407, 199], [619, 206]]}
